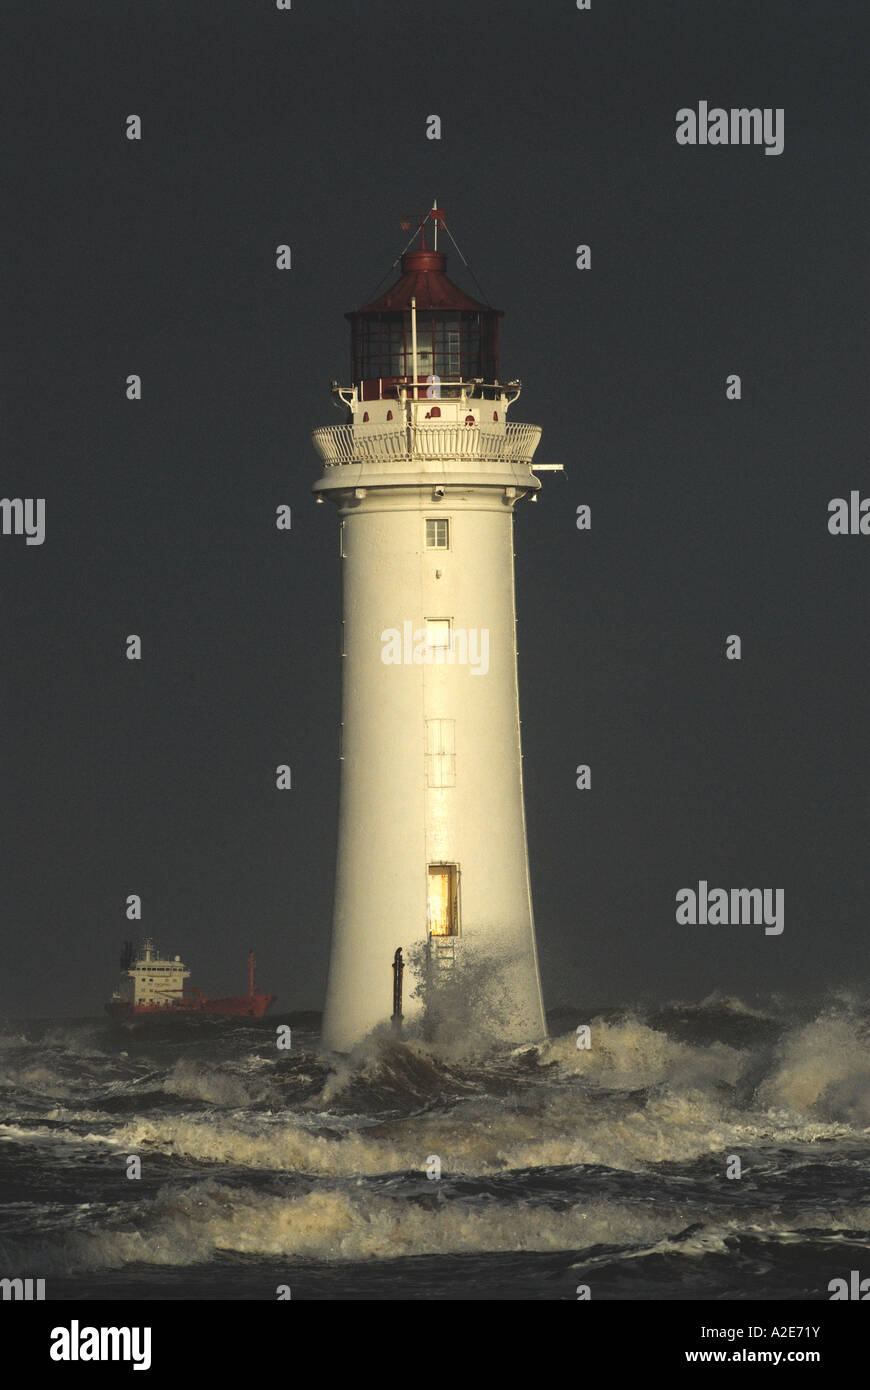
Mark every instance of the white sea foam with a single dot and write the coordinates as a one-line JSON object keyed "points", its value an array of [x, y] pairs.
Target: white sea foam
{"points": [[484, 1136], [823, 1069], [217, 1084], [37, 1078], [192, 1224], [34, 1135], [630, 1055]]}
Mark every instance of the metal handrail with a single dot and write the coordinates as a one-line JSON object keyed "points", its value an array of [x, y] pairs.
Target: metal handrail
{"points": [[339, 444]]}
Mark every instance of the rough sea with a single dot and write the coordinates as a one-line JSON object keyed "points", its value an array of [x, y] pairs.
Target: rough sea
{"points": [[560, 1167]]}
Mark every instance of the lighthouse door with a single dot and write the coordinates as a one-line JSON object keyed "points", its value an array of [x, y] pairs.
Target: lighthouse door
{"points": [[443, 900]]}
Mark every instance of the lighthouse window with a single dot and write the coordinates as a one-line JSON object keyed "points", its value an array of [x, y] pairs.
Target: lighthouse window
{"points": [[438, 633], [437, 533], [441, 752], [424, 360], [446, 337], [453, 353]]}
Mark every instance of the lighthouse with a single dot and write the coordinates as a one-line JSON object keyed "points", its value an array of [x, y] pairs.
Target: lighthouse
{"points": [[426, 472]]}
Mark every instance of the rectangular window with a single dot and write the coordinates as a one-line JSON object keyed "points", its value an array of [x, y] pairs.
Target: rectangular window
{"points": [[452, 368], [441, 752], [437, 533]]}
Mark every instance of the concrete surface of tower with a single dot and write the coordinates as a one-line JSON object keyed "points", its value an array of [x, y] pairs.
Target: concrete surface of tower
{"points": [[432, 855]]}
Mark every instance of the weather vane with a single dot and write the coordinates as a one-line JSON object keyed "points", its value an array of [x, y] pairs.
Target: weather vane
{"points": [[434, 213]]}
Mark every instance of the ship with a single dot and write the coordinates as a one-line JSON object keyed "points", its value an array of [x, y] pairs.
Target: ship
{"points": [[152, 984]]}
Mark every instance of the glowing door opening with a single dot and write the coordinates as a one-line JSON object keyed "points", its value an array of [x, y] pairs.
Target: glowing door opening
{"points": [[443, 901]]}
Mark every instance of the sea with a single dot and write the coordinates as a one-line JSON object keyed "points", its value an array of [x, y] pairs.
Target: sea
{"points": [[712, 1150]]}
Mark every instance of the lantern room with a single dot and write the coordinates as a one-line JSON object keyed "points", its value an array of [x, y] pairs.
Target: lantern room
{"points": [[423, 331]]}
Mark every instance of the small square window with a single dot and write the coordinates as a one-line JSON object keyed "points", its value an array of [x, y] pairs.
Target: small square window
{"points": [[437, 533], [438, 632]]}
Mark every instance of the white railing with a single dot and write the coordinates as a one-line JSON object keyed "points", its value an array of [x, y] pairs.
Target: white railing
{"points": [[338, 444]]}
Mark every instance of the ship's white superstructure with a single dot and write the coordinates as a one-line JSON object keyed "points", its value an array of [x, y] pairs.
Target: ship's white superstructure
{"points": [[149, 978]]}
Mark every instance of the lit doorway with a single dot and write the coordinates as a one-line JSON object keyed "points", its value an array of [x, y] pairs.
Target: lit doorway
{"points": [[443, 900]]}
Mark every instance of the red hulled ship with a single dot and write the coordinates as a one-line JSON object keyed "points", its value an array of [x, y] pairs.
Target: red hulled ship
{"points": [[151, 984]]}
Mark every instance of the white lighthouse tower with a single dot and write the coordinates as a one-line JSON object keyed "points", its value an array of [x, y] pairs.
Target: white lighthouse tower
{"points": [[432, 856]]}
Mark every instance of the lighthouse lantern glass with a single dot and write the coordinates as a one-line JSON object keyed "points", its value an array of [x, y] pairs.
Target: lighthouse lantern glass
{"points": [[451, 345]]}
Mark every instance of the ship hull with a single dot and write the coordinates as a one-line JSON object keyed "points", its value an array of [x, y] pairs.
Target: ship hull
{"points": [[247, 1005]]}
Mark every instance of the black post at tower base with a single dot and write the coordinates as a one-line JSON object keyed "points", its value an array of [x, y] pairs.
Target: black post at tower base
{"points": [[398, 972]]}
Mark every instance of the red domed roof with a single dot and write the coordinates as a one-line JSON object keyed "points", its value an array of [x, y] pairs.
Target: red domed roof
{"points": [[423, 278]]}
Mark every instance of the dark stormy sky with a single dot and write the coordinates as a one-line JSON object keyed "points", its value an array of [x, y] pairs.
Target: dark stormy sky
{"points": [[709, 517]]}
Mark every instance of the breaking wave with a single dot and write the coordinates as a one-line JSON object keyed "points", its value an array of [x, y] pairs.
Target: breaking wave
{"points": [[192, 1224], [619, 1148]]}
